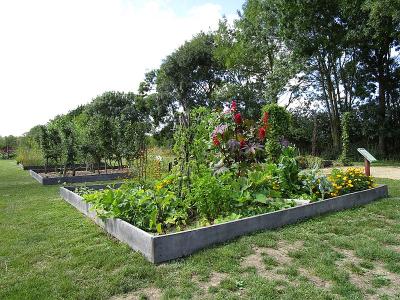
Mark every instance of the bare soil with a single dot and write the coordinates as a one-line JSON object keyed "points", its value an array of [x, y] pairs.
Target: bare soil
{"points": [[147, 293], [282, 256], [364, 281]]}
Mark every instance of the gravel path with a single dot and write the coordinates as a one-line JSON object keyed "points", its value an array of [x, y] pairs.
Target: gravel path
{"points": [[379, 172]]}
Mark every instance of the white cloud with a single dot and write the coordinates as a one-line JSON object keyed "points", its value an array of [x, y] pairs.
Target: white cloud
{"points": [[55, 55]]}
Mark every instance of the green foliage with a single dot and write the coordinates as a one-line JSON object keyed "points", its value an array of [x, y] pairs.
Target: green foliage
{"points": [[29, 151], [187, 78], [309, 162], [198, 193], [153, 209], [258, 66], [8, 145], [31, 156], [278, 124], [273, 149], [344, 157], [207, 199], [111, 128], [316, 185], [213, 196], [203, 122]]}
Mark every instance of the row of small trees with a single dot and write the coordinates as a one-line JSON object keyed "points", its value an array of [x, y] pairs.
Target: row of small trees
{"points": [[110, 129]]}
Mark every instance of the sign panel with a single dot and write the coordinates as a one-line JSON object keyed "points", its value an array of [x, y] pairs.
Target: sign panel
{"points": [[368, 156]]}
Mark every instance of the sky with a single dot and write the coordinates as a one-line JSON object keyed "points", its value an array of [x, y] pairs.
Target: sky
{"points": [[58, 54]]}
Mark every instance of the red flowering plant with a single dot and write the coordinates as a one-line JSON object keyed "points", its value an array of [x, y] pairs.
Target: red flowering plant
{"points": [[238, 142]]}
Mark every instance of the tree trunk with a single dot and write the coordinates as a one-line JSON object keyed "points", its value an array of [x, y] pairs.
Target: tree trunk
{"points": [[381, 104], [331, 103]]}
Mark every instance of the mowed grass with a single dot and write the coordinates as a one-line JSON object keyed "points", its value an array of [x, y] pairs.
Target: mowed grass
{"points": [[48, 250]]}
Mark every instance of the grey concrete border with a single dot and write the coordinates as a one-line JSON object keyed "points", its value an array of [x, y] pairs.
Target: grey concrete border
{"points": [[77, 179], [160, 248], [50, 168], [79, 168], [136, 238]]}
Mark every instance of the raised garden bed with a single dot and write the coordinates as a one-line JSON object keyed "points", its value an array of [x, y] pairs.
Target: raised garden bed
{"points": [[52, 179], [160, 248], [40, 168]]}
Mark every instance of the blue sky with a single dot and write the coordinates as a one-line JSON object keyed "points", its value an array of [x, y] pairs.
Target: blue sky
{"points": [[181, 7], [228, 6]]}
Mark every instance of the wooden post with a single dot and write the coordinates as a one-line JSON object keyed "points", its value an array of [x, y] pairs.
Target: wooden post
{"points": [[368, 158], [367, 167]]}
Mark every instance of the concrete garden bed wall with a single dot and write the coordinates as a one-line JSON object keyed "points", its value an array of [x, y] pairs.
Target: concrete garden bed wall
{"points": [[39, 169], [77, 179], [160, 248]]}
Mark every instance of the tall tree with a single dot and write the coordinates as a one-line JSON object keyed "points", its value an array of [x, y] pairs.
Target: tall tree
{"points": [[188, 77], [380, 32], [259, 65]]}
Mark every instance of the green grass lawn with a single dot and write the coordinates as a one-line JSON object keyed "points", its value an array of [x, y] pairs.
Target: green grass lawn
{"points": [[48, 250]]}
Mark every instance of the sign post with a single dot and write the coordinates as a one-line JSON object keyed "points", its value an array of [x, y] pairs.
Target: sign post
{"points": [[368, 159]]}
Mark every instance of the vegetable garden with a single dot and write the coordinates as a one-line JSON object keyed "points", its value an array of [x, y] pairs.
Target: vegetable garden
{"points": [[227, 167]]}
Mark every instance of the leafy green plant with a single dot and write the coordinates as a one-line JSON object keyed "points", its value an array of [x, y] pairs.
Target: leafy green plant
{"points": [[315, 184], [213, 196], [278, 123], [153, 209]]}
